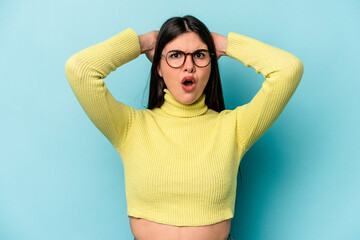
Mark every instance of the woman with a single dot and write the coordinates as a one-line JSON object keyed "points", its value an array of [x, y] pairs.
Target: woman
{"points": [[181, 155]]}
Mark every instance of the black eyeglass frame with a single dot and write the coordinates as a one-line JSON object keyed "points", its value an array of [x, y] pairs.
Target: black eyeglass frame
{"points": [[192, 57]]}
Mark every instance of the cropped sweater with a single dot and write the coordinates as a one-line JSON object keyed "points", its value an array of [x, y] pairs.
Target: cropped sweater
{"points": [[181, 161]]}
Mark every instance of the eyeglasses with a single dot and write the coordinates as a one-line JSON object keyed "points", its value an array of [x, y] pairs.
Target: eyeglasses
{"points": [[176, 58]]}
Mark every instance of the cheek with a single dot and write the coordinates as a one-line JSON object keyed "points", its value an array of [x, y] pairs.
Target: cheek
{"points": [[170, 74], [164, 70], [206, 76]]}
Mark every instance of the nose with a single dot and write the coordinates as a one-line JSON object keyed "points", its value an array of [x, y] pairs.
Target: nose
{"points": [[189, 65]]}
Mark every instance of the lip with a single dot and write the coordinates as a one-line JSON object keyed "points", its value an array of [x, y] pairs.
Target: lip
{"points": [[188, 88]]}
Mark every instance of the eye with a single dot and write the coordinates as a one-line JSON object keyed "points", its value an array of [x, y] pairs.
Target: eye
{"points": [[199, 55], [175, 55]]}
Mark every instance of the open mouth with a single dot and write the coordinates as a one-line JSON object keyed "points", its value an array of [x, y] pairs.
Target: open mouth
{"points": [[188, 80], [188, 83]]}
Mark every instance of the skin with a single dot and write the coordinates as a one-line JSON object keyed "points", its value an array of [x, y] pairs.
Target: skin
{"points": [[143, 229]]}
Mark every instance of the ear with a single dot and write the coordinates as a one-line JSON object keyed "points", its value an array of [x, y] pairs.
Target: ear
{"points": [[159, 70]]}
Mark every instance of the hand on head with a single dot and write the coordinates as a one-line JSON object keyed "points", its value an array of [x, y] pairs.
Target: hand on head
{"points": [[147, 43], [220, 42]]}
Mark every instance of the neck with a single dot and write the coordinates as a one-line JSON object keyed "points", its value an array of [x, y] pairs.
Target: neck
{"points": [[173, 107]]}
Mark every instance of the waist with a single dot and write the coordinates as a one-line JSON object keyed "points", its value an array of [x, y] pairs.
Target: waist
{"points": [[143, 229]]}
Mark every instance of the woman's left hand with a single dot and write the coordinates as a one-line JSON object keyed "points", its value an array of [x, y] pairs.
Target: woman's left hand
{"points": [[220, 42]]}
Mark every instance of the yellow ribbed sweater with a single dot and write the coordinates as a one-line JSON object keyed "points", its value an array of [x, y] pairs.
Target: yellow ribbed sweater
{"points": [[181, 161]]}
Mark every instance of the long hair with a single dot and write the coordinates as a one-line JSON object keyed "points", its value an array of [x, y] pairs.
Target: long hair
{"points": [[172, 28]]}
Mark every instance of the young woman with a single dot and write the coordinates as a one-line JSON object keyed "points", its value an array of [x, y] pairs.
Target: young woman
{"points": [[181, 155]]}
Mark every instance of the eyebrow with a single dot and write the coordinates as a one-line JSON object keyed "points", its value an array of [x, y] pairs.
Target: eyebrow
{"points": [[200, 49]]}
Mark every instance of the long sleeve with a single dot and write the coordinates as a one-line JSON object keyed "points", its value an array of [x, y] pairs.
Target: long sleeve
{"points": [[282, 71], [85, 72]]}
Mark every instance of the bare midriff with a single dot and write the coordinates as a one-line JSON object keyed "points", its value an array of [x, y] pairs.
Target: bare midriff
{"points": [[143, 229]]}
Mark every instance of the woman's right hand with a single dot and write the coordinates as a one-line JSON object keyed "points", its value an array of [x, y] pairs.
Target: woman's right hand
{"points": [[147, 43]]}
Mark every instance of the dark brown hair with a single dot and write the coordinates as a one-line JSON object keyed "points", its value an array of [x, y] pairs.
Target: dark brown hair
{"points": [[172, 28]]}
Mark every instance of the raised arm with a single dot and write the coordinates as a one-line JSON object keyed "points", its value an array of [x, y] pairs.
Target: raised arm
{"points": [[282, 72], [85, 72]]}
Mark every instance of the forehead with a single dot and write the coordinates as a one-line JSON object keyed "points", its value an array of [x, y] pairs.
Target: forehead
{"points": [[187, 42]]}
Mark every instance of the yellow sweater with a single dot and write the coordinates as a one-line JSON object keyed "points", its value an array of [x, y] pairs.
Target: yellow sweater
{"points": [[181, 161]]}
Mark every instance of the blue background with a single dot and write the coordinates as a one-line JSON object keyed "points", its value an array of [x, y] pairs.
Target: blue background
{"points": [[60, 178]]}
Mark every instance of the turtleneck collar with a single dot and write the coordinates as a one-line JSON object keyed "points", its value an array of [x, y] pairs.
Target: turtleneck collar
{"points": [[177, 109]]}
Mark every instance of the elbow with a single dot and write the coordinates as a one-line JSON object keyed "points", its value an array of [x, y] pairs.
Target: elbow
{"points": [[298, 65], [69, 66], [74, 69], [295, 68], [299, 68]]}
